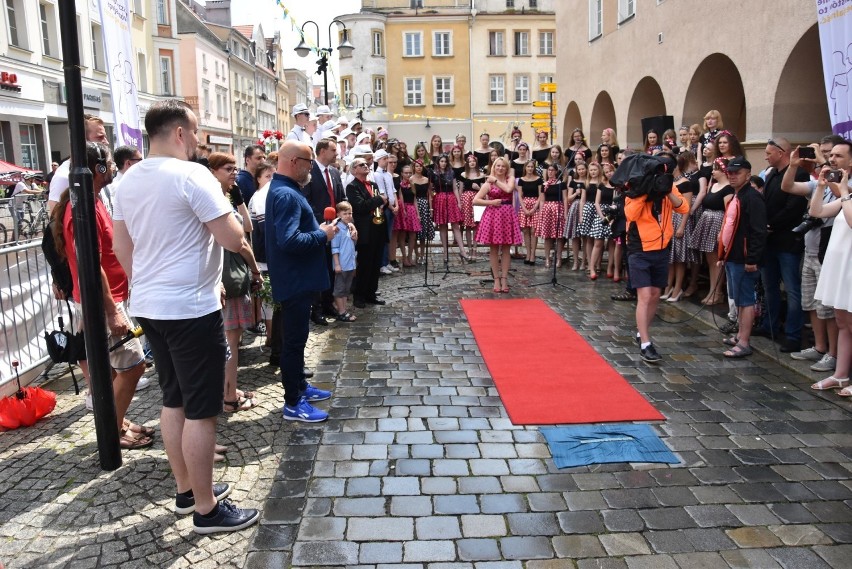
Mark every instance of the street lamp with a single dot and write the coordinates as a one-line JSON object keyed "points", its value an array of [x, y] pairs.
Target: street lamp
{"points": [[360, 108], [345, 48]]}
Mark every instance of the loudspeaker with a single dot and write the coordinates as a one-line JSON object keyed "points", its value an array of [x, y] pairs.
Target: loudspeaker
{"points": [[660, 124]]}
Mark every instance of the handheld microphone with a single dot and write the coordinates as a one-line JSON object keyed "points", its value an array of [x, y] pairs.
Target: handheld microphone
{"points": [[329, 214]]}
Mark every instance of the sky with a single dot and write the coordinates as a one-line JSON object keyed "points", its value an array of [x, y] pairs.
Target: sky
{"points": [[322, 12]]}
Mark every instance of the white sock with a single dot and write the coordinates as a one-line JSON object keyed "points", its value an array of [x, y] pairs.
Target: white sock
{"points": [[645, 344]]}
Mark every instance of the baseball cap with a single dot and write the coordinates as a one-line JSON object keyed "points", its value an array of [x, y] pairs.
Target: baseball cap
{"points": [[738, 163], [300, 109]]}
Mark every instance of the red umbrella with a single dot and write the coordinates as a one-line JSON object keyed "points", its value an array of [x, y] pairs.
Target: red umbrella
{"points": [[26, 406]]}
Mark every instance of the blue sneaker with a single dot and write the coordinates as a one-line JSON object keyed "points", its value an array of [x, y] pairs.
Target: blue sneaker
{"points": [[315, 394], [304, 412], [227, 517]]}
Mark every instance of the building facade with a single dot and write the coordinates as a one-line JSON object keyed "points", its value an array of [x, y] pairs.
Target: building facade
{"points": [[765, 80], [363, 74]]}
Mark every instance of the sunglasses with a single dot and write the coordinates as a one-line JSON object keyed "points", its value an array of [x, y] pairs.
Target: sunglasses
{"points": [[771, 142]]}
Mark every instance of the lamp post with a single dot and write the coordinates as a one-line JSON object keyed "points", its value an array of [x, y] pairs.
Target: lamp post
{"points": [[360, 108], [345, 48]]}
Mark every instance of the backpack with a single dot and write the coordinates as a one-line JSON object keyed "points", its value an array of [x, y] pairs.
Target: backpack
{"points": [[59, 269]]}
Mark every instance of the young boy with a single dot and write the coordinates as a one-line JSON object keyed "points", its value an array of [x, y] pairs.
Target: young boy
{"points": [[343, 254]]}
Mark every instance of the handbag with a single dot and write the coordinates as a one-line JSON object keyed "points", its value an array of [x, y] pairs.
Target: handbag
{"points": [[235, 275]]}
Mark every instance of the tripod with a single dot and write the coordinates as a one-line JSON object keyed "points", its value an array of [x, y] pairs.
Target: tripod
{"points": [[426, 285], [446, 272], [553, 281]]}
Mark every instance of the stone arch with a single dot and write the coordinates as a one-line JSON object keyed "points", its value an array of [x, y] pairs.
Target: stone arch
{"points": [[573, 119], [603, 116], [647, 101], [800, 112], [708, 91]]}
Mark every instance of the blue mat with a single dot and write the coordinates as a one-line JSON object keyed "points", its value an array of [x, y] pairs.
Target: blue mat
{"points": [[598, 444]]}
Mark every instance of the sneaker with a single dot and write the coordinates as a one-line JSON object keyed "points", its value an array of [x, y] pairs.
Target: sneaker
{"points": [[144, 382], [729, 328], [259, 329], [826, 363], [650, 354], [304, 412], [386, 270], [89, 405], [638, 340], [394, 268], [227, 517], [811, 354], [315, 394], [394, 265], [186, 504]]}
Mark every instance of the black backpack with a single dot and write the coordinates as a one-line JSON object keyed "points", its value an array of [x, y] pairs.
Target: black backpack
{"points": [[59, 269]]}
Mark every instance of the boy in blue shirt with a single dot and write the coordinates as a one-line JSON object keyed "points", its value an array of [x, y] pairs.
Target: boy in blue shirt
{"points": [[343, 257]]}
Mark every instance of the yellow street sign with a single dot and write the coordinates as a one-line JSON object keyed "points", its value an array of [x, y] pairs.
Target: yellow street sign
{"points": [[547, 87], [541, 116], [541, 103], [541, 125]]}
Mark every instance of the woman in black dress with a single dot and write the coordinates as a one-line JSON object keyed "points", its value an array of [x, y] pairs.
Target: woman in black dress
{"points": [[578, 146], [541, 147], [423, 193], [520, 161], [529, 186], [472, 180], [483, 153]]}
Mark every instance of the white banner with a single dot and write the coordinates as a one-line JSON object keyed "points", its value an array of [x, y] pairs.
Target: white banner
{"points": [[115, 19], [835, 38]]}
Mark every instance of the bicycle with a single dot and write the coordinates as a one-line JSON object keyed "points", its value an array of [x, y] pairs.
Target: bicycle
{"points": [[31, 224]]}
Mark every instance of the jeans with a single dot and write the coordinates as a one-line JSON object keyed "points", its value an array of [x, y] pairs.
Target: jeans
{"points": [[781, 266], [295, 319], [389, 216]]}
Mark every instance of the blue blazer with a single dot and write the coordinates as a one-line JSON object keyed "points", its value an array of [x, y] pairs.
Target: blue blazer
{"points": [[295, 245]]}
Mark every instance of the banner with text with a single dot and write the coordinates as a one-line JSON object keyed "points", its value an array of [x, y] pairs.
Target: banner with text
{"points": [[115, 19], [835, 38]]}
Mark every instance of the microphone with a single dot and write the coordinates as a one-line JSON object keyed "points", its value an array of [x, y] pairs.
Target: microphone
{"points": [[329, 214]]}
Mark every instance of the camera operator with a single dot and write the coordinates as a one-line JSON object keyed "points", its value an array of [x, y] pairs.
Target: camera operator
{"points": [[649, 233], [824, 351]]}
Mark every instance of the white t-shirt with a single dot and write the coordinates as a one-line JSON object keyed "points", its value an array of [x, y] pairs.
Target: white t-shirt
{"points": [[59, 182], [177, 265], [257, 211]]}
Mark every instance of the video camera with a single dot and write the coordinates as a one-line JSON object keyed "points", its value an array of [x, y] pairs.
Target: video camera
{"points": [[645, 175]]}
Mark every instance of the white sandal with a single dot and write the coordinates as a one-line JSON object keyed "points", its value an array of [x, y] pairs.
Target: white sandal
{"points": [[830, 382]]}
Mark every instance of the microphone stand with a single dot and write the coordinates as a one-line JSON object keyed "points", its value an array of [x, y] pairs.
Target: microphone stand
{"points": [[446, 272], [426, 285]]}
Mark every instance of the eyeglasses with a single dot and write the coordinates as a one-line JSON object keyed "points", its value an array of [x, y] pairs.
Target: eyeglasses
{"points": [[134, 160], [305, 159], [771, 142], [228, 169]]}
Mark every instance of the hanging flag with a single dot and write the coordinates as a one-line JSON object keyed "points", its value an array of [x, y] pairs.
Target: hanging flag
{"points": [[835, 38], [115, 23]]}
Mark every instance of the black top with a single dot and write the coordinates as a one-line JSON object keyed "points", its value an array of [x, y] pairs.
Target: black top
{"points": [[553, 192], [482, 158], [396, 181], [591, 193], [529, 189], [715, 201], [606, 194], [511, 155], [688, 184], [518, 168], [705, 172], [469, 182], [407, 194], [457, 172], [541, 154], [784, 212], [441, 183], [570, 155], [577, 185], [421, 190]]}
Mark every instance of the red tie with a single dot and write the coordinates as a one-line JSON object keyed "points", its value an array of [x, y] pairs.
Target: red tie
{"points": [[328, 185]]}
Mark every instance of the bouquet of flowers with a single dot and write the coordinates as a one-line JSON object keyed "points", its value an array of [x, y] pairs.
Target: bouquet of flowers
{"points": [[271, 140]]}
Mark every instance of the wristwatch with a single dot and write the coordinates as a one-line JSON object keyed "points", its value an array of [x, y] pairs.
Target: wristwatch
{"points": [[847, 198]]}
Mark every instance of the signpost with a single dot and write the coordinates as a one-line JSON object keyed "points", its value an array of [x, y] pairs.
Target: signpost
{"points": [[550, 89]]}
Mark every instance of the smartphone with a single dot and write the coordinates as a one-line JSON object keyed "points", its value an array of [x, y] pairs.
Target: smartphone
{"points": [[834, 176], [807, 152]]}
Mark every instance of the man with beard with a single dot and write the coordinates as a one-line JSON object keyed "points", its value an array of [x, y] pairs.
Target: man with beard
{"points": [[254, 157], [295, 251]]}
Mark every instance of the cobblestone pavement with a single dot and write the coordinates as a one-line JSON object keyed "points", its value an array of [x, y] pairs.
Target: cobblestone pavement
{"points": [[419, 467]]}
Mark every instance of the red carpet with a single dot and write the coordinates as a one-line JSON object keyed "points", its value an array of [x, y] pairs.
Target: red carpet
{"points": [[545, 372]]}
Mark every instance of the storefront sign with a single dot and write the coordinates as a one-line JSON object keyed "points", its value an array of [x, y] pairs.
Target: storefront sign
{"points": [[9, 82], [91, 98], [223, 140]]}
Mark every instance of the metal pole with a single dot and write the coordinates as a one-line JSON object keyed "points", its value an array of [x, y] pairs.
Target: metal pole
{"points": [[550, 100], [325, 76], [88, 256]]}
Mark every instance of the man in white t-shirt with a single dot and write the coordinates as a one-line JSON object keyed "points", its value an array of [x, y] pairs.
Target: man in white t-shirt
{"points": [[95, 132], [169, 237]]}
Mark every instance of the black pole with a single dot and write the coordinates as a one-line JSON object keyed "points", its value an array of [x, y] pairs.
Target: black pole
{"points": [[325, 76], [88, 256]]}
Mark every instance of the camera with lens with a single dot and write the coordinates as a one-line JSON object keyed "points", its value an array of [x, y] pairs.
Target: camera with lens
{"points": [[833, 176], [807, 224]]}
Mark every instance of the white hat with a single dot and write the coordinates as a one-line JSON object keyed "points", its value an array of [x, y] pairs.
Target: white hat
{"points": [[346, 132], [342, 120], [340, 138], [379, 154], [362, 136], [361, 150], [323, 110], [356, 121], [300, 109]]}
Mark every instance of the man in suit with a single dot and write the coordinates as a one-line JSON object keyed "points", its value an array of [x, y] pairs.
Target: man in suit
{"points": [[324, 190], [365, 200]]}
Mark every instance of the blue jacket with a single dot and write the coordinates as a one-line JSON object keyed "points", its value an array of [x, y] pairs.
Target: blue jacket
{"points": [[295, 245], [247, 185]]}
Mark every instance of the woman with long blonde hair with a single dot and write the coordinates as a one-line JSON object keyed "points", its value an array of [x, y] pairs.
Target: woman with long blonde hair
{"points": [[499, 227]]}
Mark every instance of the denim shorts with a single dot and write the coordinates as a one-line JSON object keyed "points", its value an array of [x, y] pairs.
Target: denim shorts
{"points": [[741, 284]]}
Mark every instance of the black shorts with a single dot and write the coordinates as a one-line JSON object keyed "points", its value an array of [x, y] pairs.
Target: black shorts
{"points": [[649, 268], [190, 359]]}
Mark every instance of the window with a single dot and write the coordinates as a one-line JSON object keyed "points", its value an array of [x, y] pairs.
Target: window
{"points": [[495, 43], [412, 44], [510, 4], [626, 10], [522, 88], [533, 4], [216, 64], [544, 79], [29, 146], [346, 90], [45, 36], [443, 90], [143, 72], [378, 43], [497, 89], [3, 127], [97, 48], [522, 43], [205, 97], [162, 12], [204, 62], [416, 4], [595, 19], [545, 43], [12, 8], [442, 44], [137, 7], [166, 76], [379, 91], [221, 103], [414, 91]]}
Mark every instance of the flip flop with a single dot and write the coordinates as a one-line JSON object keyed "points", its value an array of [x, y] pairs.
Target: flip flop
{"points": [[830, 382], [139, 429], [242, 404], [246, 394], [732, 341], [346, 317], [738, 351], [130, 440]]}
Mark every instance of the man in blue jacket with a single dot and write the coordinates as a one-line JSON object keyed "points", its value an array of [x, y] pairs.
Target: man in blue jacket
{"points": [[295, 250]]}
